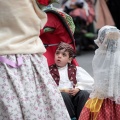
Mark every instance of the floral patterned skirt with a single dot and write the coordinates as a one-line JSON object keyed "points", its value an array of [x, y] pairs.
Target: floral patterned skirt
{"points": [[29, 92]]}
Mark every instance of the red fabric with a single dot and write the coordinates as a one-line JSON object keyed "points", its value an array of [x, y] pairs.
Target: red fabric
{"points": [[108, 111], [43, 2], [71, 73], [60, 34]]}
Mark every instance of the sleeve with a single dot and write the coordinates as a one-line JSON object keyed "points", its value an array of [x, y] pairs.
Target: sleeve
{"points": [[42, 15], [84, 80]]}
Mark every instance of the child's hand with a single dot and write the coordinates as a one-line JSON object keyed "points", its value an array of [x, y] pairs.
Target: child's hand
{"points": [[74, 91], [65, 90]]}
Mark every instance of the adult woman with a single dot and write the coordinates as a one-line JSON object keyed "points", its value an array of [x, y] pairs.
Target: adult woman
{"points": [[27, 90]]}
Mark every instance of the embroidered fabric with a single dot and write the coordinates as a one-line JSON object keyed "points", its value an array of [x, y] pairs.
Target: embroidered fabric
{"points": [[106, 65]]}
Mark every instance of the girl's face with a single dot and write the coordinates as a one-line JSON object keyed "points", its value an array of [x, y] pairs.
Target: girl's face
{"points": [[62, 58]]}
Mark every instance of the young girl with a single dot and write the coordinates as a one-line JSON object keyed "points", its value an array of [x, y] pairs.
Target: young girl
{"points": [[27, 90], [104, 102], [73, 81]]}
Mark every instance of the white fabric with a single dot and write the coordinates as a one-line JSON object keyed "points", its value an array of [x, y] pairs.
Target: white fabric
{"points": [[106, 64], [80, 1], [86, 7], [20, 24], [64, 80], [84, 80], [101, 34], [68, 3], [29, 92]]}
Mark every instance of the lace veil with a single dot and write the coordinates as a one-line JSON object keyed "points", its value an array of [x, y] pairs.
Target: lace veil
{"points": [[106, 65]]}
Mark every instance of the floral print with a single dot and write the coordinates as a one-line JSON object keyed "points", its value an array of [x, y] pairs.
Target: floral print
{"points": [[29, 92]]}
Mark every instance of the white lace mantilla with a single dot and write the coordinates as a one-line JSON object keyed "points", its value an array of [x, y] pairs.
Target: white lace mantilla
{"points": [[106, 65]]}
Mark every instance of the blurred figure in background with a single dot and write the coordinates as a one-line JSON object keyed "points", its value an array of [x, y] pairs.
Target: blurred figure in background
{"points": [[114, 7], [83, 15], [103, 15]]}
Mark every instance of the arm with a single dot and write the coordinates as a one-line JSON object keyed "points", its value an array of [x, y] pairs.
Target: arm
{"points": [[84, 80]]}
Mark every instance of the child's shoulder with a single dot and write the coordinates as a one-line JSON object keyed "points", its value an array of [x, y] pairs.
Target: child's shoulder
{"points": [[52, 66], [71, 65]]}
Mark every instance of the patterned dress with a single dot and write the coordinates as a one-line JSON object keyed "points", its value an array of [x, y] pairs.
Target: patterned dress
{"points": [[108, 111], [29, 92]]}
